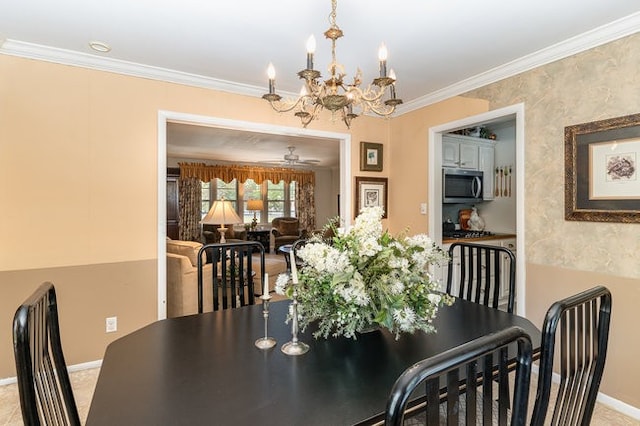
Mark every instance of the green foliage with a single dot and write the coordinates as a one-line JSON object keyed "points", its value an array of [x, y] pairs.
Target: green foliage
{"points": [[366, 276]]}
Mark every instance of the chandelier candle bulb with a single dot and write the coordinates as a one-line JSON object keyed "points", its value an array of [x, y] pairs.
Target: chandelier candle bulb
{"points": [[311, 49], [392, 75], [382, 56], [271, 73]]}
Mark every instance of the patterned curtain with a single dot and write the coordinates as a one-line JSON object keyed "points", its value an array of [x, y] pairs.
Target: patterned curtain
{"points": [[306, 206], [190, 200], [259, 174]]}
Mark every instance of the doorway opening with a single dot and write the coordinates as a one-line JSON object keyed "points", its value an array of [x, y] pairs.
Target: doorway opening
{"points": [[514, 115], [165, 117]]}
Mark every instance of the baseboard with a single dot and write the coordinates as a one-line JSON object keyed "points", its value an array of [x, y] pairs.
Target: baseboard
{"points": [[85, 366], [619, 406], [614, 404], [71, 369]]}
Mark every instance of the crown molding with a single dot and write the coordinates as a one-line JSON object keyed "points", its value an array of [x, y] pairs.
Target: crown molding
{"points": [[590, 39], [615, 30], [85, 60]]}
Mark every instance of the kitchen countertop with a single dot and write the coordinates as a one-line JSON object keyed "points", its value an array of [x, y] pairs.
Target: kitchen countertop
{"points": [[478, 239]]}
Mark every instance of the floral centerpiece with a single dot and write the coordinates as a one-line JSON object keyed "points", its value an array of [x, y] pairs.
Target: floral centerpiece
{"points": [[366, 277]]}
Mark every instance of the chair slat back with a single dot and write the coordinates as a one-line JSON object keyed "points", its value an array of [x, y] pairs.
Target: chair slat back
{"points": [[46, 396], [580, 324], [477, 272], [458, 384], [234, 276]]}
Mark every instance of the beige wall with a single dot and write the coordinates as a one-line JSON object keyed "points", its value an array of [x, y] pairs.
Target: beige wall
{"points": [[78, 158], [564, 257]]}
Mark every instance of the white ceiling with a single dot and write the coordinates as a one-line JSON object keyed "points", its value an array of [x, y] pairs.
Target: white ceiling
{"points": [[438, 48], [231, 145]]}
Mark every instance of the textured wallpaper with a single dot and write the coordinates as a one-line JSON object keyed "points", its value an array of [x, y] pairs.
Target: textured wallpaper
{"points": [[597, 84]]}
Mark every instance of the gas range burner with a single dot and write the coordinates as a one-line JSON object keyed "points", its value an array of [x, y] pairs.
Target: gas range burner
{"points": [[462, 233]]}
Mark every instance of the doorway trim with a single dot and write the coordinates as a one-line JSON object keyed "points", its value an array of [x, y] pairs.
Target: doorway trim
{"points": [[164, 117], [515, 112]]}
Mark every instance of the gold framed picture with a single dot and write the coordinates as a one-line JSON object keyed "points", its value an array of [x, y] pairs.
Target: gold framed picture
{"points": [[371, 192], [370, 157], [602, 180]]}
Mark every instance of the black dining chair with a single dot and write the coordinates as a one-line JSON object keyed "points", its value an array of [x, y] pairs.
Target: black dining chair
{"points": [[297, 245], [451, 379], [233, 274], [583, 320], [482, 274], [46, 396]]}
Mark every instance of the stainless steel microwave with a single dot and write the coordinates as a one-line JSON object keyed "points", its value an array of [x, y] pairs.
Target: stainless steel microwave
{"points": [[461, 185]]}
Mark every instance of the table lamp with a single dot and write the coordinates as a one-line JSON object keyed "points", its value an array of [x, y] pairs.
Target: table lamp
{"points": [[221, 213], [255, 206]]}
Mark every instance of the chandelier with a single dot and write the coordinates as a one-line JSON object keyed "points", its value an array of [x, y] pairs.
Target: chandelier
{"points": [[346, 101]]}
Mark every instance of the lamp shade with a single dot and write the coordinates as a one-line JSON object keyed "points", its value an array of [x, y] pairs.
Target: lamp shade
{"points": [[221, 213], [255, 205]]}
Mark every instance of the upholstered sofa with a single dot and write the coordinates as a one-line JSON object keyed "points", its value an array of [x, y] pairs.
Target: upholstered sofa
{"points": [[285, 230], [182, 279]]}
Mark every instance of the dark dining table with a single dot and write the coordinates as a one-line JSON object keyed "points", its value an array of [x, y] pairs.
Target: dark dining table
{"points": [[205, 369]]}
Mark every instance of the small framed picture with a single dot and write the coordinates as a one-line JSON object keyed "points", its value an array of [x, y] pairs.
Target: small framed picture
{"points": [[370, 157], [371, 192]]}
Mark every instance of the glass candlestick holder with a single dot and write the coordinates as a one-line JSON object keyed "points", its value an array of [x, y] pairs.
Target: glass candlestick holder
{"points": [[265, 342]]}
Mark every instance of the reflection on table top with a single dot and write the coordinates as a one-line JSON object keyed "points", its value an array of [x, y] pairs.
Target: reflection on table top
{"points": [[205, 369]]}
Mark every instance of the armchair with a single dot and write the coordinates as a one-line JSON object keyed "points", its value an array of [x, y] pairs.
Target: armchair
{"points": [[212, 236], [285, 230]]}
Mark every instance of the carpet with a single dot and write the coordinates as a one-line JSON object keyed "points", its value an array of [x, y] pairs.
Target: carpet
{"points": [[274, 265]]}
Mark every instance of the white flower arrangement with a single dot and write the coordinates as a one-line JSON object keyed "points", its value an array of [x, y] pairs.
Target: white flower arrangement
{"points": [[366, 277]]}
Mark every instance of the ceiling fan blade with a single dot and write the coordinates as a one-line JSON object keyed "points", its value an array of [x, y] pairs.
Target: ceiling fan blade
{"points": [[291, 159]]}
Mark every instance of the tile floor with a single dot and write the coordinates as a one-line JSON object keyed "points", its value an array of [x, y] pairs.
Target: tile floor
{"points": [[84, 382]]}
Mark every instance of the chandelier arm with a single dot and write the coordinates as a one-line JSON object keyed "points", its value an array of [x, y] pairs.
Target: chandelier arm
{"points": [[371, 94], [286, 106], [383, 110]]}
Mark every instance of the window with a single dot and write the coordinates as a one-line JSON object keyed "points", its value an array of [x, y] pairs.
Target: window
{"points": [[279, 198], [205, 204], [215, 190], [251, 191], [227, 190], [275, 199]]}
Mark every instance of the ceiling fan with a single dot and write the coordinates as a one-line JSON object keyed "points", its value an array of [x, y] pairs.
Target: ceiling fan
{"points": [[293, 159]]}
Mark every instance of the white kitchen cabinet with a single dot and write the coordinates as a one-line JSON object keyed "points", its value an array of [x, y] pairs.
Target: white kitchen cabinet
{"points": [[450, 153], [508, 243], [503, 295], [459, 154], [469, 156], [466, 152]]}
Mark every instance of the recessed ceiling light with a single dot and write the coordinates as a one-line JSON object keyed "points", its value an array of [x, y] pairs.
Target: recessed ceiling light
{"points": [[100, 46]]}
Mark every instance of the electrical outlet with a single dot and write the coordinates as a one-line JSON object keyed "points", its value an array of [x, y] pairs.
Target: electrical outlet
{"points": [[423, 208], [112, 324]]}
